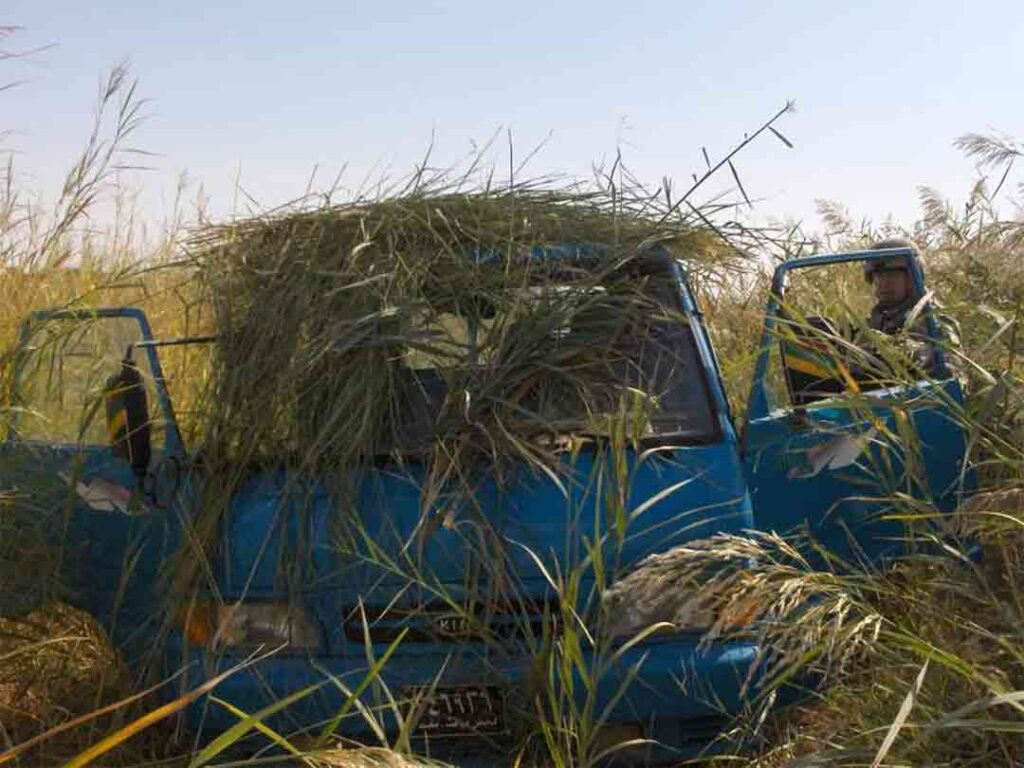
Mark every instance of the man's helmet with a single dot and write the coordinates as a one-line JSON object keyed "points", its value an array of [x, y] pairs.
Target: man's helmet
{"points": [[893, 263]]}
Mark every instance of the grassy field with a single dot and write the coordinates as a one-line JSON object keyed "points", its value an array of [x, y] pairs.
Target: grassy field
{"points": [[925, 663]]}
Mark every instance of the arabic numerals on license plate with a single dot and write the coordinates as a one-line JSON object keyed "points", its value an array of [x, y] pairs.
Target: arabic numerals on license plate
{"points": [[459, 710]]}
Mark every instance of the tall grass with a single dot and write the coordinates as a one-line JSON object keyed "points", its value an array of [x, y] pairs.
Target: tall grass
{"points": [[57, 664], [923, 662]]}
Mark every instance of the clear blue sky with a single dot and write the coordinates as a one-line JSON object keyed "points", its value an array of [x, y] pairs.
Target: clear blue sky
{"points": [[274, 88]]}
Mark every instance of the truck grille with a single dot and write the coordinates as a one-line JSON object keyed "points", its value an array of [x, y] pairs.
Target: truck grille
{"points": [[439, 622]]}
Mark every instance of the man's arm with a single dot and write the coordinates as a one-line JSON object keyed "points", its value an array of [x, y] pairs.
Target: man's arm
{"points": [[948, 340]]}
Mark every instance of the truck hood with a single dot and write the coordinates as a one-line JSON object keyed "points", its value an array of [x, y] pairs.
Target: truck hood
{"points": [[383, 553]]}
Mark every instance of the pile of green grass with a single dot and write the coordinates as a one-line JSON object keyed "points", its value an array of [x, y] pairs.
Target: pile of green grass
{"points": [[315, 310]]}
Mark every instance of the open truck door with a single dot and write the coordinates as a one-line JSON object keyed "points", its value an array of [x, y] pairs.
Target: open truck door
{"points": [[90, 454], [830, 449]]}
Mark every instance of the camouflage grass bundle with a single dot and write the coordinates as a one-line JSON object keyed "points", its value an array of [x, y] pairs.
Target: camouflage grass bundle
{"points": [[428, 324]]}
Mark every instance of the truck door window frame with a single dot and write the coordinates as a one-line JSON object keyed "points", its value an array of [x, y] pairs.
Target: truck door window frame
{"points": [[172, 442], [759, 404]]}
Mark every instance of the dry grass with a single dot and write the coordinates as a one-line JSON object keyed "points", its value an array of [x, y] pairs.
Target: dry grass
{"points": [[56, 663]]}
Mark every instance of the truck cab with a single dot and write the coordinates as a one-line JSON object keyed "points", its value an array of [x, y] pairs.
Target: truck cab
{"points": [[394, 603]]}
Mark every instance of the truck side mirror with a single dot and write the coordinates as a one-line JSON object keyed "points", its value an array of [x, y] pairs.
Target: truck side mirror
{"points": [[128, 416]]}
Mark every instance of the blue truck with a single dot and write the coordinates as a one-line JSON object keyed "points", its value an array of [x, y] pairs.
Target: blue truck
{"points": [[357, 636]]}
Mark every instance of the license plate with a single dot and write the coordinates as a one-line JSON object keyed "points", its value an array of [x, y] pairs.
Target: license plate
{"points": [[463, 710]]}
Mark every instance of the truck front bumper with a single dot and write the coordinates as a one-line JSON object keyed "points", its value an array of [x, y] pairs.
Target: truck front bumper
{"points": [[669, 690]]}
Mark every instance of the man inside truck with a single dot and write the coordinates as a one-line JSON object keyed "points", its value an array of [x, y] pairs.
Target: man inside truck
{"points": [[821, 360], [896, 300]]}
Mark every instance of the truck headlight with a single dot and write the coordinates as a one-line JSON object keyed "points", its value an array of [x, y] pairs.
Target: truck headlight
{"points": [[631, 611], [628, 618], [250, 624]]}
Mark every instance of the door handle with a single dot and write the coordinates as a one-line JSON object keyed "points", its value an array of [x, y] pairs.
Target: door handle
{"points": [[798, 420]]}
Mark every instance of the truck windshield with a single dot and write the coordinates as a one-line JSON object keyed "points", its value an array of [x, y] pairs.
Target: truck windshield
{"points": [[559, 358]]}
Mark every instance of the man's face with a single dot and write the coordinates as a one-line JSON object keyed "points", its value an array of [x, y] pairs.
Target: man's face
{"points": [[892, 286]]}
